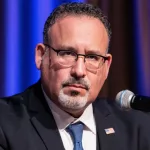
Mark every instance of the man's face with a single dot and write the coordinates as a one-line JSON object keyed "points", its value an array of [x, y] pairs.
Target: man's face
{"points": [[73, 88]]}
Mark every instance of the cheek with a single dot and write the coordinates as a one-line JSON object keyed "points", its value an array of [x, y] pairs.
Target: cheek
{"points": [[97, 82], [56, 78], [53, 75], [101, 78]]}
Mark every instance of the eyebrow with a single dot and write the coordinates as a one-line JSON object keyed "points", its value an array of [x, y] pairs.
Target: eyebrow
{"points": [[94, 52], [63, 47], [70, 48]]}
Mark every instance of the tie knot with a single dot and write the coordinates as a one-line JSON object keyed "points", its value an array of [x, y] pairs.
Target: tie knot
{"points": [[76, 131]]}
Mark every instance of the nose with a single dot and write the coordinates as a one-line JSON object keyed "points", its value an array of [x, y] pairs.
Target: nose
{"points": [[78, 70]]}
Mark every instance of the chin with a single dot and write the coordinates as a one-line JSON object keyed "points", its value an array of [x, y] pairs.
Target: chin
{"points": [[72, 102]]}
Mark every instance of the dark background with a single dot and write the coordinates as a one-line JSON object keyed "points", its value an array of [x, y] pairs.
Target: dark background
{"points": [[21, 28]]}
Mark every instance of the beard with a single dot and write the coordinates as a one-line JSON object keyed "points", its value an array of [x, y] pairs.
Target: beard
{"points": [[74, 100]]}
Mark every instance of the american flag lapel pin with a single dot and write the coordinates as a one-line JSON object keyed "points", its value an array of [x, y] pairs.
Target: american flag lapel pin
{"points": [[109, 130]]}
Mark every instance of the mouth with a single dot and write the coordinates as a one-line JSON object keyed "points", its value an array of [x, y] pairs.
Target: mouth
{"points": [[77, 86]]}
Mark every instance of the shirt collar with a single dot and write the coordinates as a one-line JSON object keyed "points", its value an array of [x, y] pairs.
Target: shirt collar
{"points": [[63, 119]]}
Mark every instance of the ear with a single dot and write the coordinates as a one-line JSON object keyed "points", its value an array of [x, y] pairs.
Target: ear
{"points": [[39, 52], [107, 64]]}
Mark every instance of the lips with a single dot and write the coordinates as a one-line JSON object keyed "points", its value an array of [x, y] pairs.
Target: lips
{"points": [[76, 86]]}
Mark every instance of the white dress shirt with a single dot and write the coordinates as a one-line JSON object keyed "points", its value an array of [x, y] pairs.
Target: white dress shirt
{"points": [[63, 119]]}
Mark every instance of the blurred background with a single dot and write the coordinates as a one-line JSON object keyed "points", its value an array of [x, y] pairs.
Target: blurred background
{"points": [[21, 27]]}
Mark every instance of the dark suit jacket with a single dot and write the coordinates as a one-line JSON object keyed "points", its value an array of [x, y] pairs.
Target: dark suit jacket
{"points": [[26, 123]]}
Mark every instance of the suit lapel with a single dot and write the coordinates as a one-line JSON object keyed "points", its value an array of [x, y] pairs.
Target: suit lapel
{"points": [[108, 133], [43, 121], [48, 131]]}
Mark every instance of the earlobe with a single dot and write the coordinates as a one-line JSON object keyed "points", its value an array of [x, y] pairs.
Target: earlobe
{"points": [[109, 61], [107, 65], [39, 52]]}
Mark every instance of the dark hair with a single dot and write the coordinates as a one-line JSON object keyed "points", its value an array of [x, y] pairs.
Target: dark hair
{"points": [[75, 8]]}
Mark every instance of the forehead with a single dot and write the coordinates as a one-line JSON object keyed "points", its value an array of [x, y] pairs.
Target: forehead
{"points": [[79, 32]]}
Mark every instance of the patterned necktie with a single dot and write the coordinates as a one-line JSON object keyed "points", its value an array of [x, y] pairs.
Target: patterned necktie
{"points": [[76, 131]]}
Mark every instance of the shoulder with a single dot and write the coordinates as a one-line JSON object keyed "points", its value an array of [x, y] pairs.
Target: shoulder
{"points": [[14, 105], [9, 104], [131, 126], [11, 110], [14, 114], [126, 116]]}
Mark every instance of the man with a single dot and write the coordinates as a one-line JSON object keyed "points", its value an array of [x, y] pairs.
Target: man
{"points": [[59, 111]]}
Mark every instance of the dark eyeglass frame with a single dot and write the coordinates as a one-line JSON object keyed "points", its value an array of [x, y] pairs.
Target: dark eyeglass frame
{"points": [[57, 51]]}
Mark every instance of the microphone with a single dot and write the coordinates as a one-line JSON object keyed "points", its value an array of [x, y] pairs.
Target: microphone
{"points": [[128, 100]]}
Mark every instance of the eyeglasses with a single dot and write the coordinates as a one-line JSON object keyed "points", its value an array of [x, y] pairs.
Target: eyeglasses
{"points": [[68, 58]]}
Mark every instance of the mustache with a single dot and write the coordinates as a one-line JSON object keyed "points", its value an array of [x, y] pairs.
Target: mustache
{"points": [[83, 82]]}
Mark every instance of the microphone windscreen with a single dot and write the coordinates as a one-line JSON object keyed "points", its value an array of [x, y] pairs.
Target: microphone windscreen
{"points": [[123, 98]]}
